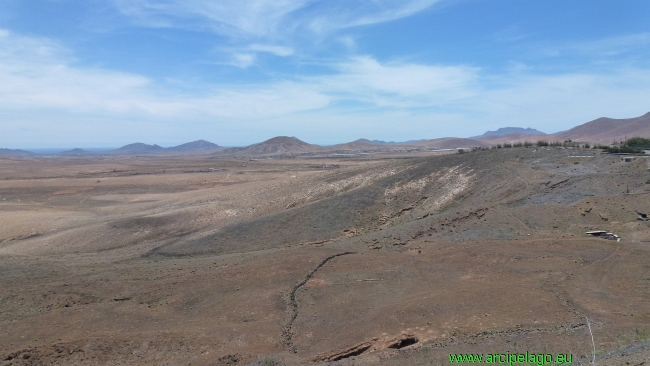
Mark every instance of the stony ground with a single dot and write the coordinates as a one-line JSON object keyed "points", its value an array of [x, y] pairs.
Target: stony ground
{"points": [[381, 260]]}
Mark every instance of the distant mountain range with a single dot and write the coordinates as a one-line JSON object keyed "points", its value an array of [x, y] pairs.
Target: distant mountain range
{"points": [[602, 130], [608, 129], [291, 145], [139, 148], [508, 130], [15, 152]]}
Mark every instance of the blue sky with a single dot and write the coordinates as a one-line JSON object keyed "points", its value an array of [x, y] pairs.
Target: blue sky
{"points": [[104, 73]]}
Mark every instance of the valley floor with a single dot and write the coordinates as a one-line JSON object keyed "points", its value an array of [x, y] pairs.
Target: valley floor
{"points": [[375, 260]]}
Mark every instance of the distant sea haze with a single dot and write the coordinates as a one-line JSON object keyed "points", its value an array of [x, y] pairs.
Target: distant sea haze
{"points": [[46, 151]]}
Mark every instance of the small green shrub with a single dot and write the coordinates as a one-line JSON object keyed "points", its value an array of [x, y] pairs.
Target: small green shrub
{"points": [[642, 334]]}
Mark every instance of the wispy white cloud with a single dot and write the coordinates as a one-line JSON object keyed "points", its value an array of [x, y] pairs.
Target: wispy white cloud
{"points": [[37, 73], [39, 76], [245, 57], [267, 18], [281, 51], [242, 60], [277, 27], [344, 14], [399, 84], [349, 42], [605, 47], [239, 18]]}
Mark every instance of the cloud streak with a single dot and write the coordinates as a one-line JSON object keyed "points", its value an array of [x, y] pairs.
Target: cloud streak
{"points": [[606, 47], [400, 85], [264, 19]]}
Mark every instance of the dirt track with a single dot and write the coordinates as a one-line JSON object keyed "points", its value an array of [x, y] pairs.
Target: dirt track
{"points": [[203, 261]]}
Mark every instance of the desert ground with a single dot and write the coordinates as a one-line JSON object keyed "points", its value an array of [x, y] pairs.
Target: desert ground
{"points": [[377, 259]]}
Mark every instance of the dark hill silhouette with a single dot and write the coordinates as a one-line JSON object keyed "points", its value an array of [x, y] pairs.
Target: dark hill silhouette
{"points": [[137, 148], [15, 152], [199, 145], [140, 148], [75, 152], [378, 142], [510, 130]]}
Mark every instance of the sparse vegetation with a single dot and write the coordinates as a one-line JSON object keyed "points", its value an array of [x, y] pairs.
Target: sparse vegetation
{"points": [[638, 142], [634, 145], [571, 144], [642, 334], [624, 149]]}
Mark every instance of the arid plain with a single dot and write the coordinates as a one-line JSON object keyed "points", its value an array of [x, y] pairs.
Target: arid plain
{"points": [[378, 259]]}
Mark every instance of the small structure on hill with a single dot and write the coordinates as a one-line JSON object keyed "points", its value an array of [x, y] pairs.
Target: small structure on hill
{"points": [[642, 216], [604, 234]]}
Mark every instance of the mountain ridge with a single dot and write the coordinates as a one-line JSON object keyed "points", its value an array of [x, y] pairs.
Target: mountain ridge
{"points": [[15, 152], [601, 130], [509, 130]]}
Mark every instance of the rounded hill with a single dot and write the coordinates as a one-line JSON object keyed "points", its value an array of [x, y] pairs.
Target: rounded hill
{"points": [[279, 145]]}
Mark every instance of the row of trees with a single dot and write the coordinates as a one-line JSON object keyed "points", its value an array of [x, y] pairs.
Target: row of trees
{"points": [[633, 145], [542, 143]]}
